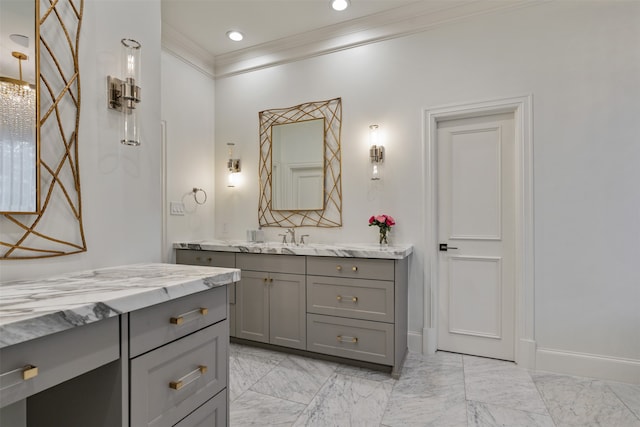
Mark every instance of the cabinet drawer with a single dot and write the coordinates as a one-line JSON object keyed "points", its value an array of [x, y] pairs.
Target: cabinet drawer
{"points": [[58, 357], [361, 268], [211, 414], [168, 384], [356, 298], [271, 263], [351, 338], [159, 324], [209, 258]]}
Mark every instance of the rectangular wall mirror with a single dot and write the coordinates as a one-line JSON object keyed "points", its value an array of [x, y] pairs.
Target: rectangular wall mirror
{"points": [[297, 165], [300, 165], [19, 151]]}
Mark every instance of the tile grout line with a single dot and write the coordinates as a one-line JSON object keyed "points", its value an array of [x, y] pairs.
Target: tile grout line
{"points": [[315, 395], [621, 400], [544, 401]]}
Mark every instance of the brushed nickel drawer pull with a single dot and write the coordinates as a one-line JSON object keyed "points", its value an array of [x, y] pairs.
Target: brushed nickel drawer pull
{"points": [[189, 378], [339, 267], [350, 340], [26, 372], [354, 268], [179, 320], [353, 299]]}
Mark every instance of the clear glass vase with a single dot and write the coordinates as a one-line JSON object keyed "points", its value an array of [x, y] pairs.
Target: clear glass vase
{"points": [[383, 237]]}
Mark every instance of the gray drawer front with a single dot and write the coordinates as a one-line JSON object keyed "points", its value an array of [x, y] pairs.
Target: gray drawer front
{"points": [[336, 336], [271, 263], [356, 268], [154, 402], [211, 414], [58, 357], [151, 327], [355, 298], [209, 258]]}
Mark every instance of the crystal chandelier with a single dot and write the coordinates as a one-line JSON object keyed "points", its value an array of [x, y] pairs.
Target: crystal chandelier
{"points": [[17, 106], [18, 149]]}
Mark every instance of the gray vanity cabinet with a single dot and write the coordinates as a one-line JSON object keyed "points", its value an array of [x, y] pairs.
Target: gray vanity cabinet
{"points": [[179, 356], [357, 309], [213, 259], [271, 304], [339, 306]]}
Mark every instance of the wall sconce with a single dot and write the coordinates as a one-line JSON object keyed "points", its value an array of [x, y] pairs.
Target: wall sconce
{"points": [[123, 95], [233, 165], [376, 153]]}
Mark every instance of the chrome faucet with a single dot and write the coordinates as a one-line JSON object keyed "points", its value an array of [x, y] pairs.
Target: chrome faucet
{"points": [[292, 231]]}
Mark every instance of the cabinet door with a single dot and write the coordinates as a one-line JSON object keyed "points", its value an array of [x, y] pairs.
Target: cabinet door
{"points": [[287, 317], [252, 306]]}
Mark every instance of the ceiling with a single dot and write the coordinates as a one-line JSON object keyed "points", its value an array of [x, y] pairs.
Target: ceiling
{"points": [[205, 22], [280, 31]]}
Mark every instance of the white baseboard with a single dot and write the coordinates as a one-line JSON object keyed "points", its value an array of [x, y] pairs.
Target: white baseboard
{"points": [[588, 365], [430, 340], [526, 354], [414, 342]]}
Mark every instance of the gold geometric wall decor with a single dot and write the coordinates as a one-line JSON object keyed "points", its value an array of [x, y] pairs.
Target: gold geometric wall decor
{"points": [[331, 215], [57, 229]]}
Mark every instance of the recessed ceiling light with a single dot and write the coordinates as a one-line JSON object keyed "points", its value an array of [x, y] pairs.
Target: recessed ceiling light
{"points": [[339, 5], [236, 36], [20, 39]]}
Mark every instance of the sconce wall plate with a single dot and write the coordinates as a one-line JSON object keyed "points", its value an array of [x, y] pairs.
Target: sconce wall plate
{"points": [[122, 93]]}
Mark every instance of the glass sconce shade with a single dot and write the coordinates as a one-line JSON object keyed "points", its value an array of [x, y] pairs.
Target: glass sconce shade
{"points": [[233, 167], [125, 94], [376, 153]]}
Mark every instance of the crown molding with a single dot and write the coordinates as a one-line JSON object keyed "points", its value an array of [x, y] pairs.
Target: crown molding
{"points": [[184, 48], [398, 22]]}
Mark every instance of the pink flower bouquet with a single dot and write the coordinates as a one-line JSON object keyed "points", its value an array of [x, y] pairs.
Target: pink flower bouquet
{"points": [[384, 222]]}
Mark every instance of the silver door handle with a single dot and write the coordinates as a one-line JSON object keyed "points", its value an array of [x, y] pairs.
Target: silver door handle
{"points": [[444, 247]]}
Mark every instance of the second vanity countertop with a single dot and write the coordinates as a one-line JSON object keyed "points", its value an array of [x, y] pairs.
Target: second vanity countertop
{"points": [[35, 308], [312, 249]]}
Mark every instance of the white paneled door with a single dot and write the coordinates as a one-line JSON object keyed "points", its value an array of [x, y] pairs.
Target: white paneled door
{"points": [[476, 231]]}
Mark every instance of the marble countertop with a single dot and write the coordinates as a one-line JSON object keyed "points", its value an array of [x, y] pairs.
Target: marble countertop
{"points": [[313, 249], [34, 308]]}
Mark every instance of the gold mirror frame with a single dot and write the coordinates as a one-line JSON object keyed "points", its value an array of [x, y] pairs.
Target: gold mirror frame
{"points": [[331, 215], [59, 106]]}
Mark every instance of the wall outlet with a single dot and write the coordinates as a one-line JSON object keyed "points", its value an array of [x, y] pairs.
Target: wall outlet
{"points": [[176, 208]]}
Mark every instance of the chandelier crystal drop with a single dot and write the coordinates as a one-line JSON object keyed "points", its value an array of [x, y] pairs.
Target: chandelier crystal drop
{"points": [[17, 109]]}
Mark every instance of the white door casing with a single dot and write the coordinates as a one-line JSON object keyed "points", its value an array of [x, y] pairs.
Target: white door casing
{"points": [[476, 217], [521, 107]]}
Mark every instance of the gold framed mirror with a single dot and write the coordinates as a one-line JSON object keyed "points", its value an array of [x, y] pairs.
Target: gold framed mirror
{"points": [[300, 165], [56, 228]]}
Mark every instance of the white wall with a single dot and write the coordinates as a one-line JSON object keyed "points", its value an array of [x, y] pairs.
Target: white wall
{"points": [[581, 63], [188, 112], [120, 185]]}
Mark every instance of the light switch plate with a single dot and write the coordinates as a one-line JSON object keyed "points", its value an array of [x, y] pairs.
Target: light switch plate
{"points": [[176, 208]]}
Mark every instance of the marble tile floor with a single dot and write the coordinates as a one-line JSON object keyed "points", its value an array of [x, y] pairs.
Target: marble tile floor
{"points": [[269, 388]]}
